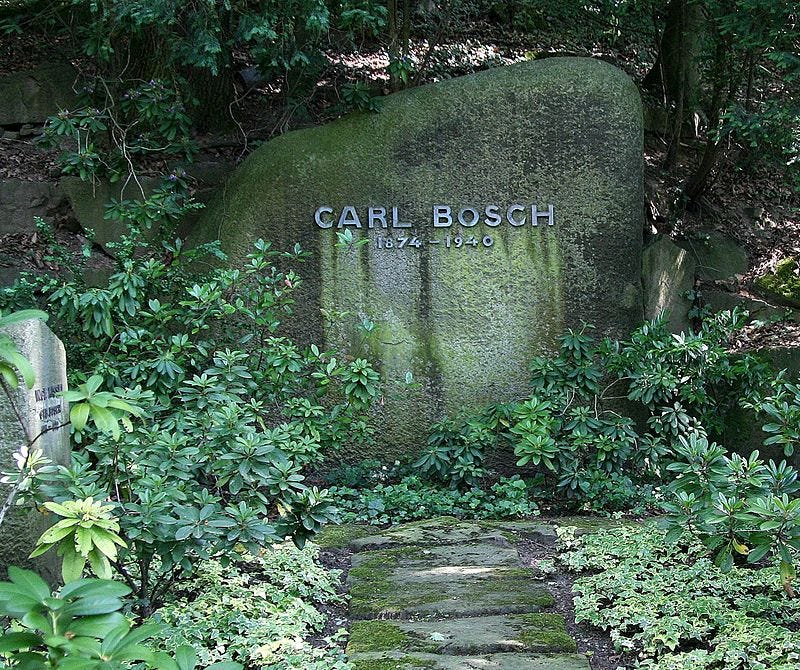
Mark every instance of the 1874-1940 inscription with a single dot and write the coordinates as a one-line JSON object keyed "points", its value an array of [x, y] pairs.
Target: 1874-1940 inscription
{"points": [[442, 216]]}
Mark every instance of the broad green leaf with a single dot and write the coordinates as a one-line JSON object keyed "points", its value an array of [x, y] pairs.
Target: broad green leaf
{"points": [[96, 626], [78, 415], [10, 375], [163, 661], [186, 657], [100, 564], [93, 383], [95, 587], [79, 663], [117, 644], [38, 621], [225, 665], [57, 532], [17, 641], [22, 365], [33, 584], [105, 421], [72, 565], [83, 540], [59, 509]]}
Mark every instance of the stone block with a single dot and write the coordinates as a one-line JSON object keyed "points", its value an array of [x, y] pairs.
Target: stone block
{"points": [[21, 201], [30, 96], [716, 255], [667, 275], [43, 414]]}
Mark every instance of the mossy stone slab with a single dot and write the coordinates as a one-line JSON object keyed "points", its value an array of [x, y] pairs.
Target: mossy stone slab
{"points": [[541, 530], [540, 632], [508, 661], [433, 532], [429, 559], [463, 319], [452, 581]]}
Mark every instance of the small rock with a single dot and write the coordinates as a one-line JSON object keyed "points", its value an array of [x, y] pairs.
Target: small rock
{"points": [[10, 135], [27, 131]]}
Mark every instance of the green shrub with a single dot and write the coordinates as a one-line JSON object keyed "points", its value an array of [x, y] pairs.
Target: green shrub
{"points": [[79, 626], [599, 412], [411, 499], [737, 506], [231, 411]]}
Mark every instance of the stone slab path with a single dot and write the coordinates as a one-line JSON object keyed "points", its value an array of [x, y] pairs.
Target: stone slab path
{"points": [[452, 595]]}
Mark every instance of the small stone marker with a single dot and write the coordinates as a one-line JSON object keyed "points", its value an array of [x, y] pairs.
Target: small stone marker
{"points": [[472, 220], [44, 413]]}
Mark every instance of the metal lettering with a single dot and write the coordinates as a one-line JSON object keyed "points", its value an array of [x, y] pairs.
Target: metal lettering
{"points": [[349, 217], [493, 217], [536, 215], [396, 220], [442, 213], [318, 217], [475, 217], [510, 215], [376, 214]]}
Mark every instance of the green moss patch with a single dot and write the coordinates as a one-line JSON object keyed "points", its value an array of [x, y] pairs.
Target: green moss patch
{"points": [[376, 636], [403, 663], [544, 632], [506, 661], [784, 283], [339, 536]]}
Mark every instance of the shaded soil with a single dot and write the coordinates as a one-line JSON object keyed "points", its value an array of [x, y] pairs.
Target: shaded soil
{"points": [[335, 559]]}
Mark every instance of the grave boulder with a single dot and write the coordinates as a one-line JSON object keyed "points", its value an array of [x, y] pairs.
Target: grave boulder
{"points": [[471, 220]]}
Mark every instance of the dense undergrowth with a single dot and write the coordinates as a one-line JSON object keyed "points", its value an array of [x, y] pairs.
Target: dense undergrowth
{"points": [[200, 451], [670, 608], [261, 611]]}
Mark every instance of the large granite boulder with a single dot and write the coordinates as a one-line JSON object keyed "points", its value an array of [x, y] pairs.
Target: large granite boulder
{"points": [[497, 208]]}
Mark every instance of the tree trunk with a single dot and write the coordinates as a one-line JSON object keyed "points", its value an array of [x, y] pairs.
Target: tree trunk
{"points": [[215, 95], [675, 75]]}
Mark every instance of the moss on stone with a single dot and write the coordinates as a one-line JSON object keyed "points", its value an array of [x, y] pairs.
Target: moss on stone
{"points": [[784, 283], [339, 536], [372, 589], [544, 632], [436, 523], [376, 636], [403, 663], [379, 595], [515, 584]]}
